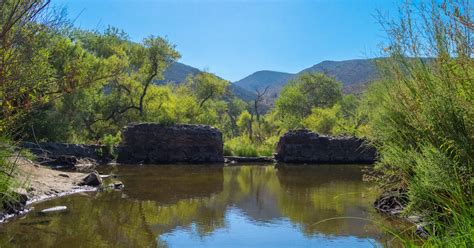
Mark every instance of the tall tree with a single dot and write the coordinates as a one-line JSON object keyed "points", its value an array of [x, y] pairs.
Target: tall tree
{"points": [[207, 86], [301, 95]]}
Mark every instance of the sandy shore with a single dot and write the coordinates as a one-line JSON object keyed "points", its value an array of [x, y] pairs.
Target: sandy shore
{"points": [[41, 183]]}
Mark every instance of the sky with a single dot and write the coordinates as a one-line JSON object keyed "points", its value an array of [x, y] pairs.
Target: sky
{"points": [[234, 38]]}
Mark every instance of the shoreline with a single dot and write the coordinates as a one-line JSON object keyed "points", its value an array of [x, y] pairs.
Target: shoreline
{"points": [[5, 218], [41, 183]]}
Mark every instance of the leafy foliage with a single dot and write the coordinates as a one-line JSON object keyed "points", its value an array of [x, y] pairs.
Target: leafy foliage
{"points": [[301, 95]]}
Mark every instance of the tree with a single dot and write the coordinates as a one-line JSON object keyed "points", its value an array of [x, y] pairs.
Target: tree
{"points": [[301, 95], [207, 86], [116, 78], [26, 78], [235, 107], [324, 120], [245, 123], [257, 101]]}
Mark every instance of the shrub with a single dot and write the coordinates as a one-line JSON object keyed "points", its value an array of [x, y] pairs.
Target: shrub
{"points": [[110, 142], [243, 146]]}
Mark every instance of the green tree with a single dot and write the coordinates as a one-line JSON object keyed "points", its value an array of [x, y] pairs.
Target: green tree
{"points": [[324, 120], [206, 87], [301, 95], [244, 122], [116, 79]]}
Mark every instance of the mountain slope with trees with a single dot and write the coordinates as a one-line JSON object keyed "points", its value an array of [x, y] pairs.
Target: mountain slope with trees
{"points": [[178, 72], [262, 79], [353, 74]]}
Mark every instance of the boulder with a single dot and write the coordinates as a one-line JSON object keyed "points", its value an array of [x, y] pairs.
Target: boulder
{"points": [[392, 202], [303, 146], [150, 143], [93, 179]]}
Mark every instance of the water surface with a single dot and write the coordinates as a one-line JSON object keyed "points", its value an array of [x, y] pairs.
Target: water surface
{"points": [[209, 206]]}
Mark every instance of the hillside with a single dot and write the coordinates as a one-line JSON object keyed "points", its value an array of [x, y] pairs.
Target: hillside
{"points": [[349, 72], [261, 79], [354, 75], [177, 73]]}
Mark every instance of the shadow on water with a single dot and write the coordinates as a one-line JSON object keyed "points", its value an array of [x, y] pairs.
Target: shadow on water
{"points": [[196, 206], [170, 183]]}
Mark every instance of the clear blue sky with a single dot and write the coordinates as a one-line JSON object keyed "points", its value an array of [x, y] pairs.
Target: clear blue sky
{"points": [[234, 38]]}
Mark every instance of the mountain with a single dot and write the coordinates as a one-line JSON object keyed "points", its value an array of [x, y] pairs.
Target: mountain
{"points": [[178, 72], [262, 79], [348, 72], [353, 74]]}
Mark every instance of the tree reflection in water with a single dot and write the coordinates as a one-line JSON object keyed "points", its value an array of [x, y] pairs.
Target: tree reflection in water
{"points": [[162, 203]]}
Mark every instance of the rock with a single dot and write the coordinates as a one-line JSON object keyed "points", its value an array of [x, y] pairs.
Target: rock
{"points": [[150, 143], [93, 179], [421, 230], [391, 202], [303, 146], [415, 218], [116, 185], [85, 165], [54, 209], [63, 175]]}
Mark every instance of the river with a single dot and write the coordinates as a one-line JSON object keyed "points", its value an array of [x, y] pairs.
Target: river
{"points": [[212, 206]]}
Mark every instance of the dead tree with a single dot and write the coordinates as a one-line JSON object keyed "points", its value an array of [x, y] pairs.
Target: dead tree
{"points": [[258, 99]]}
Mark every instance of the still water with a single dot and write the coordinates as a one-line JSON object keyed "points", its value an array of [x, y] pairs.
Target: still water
{"points": [[208, 206]]}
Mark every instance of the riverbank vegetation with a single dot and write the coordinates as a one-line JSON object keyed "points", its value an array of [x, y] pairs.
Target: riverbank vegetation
{"points": [[60, 83], [423, 120]]}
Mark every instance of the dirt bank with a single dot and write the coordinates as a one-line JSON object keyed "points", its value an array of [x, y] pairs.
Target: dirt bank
{"points": [[40, 183]]}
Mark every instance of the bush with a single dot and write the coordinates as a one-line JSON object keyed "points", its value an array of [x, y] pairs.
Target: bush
{"points": [[110, 142], [244, 147]]}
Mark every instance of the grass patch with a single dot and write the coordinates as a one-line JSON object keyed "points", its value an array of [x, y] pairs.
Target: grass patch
{"points": [[244, 147]]}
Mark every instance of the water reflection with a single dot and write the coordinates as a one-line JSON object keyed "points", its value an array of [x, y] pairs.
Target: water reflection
{"points": [[192, 206]]}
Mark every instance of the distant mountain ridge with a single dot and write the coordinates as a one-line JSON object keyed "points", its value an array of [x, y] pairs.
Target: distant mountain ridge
{"points": [[261, 79], [353, 74], [178, 72], [348, 72]]}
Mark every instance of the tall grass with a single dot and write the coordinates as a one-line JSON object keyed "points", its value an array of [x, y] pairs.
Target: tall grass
{"points": [[424, 123], [7, 173]]}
